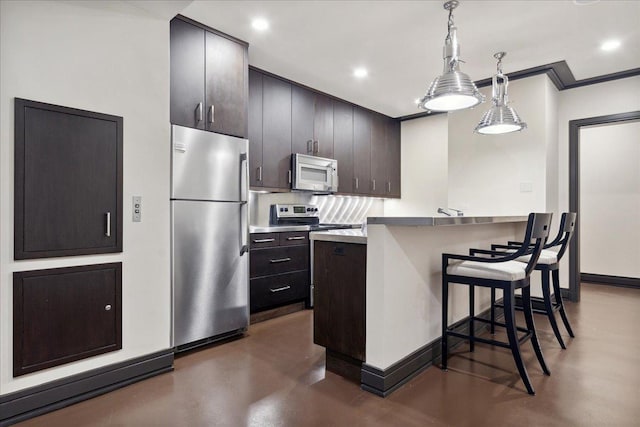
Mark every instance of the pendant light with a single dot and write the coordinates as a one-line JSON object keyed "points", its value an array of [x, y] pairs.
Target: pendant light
{"points": [[500, 118], [453, 90]]}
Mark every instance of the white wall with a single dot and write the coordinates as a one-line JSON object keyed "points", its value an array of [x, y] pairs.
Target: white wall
{"points": [[486, 171], [110, 62], [424, 151], [610, 199]]}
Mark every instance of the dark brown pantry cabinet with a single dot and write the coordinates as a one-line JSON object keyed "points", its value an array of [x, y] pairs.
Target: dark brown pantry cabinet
{"points": [[68, 181], [209, 79], [65, 314]]}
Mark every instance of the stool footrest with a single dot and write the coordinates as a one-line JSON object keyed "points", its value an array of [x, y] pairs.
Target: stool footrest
{"points": [[555, 307], [487, 321]]}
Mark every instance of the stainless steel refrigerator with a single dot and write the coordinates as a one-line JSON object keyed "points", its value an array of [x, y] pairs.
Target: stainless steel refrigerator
{"points": [[209, 235]]}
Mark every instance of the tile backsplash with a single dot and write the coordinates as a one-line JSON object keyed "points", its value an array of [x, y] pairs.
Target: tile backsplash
{"points": [[332, 209]]}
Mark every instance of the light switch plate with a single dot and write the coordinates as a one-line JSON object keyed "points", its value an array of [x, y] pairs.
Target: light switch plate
{"points": [[137, 209]]}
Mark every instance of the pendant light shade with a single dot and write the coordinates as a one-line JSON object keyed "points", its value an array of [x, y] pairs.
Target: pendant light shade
{"points": [[500, 118], [453, 90]]}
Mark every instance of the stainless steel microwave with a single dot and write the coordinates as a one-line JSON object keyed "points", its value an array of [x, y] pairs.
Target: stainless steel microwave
{"points": [[311, 173]]}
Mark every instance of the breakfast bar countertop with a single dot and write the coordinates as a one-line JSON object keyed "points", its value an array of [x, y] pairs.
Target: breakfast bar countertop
{"points": [[354, 235], [427, 221]]}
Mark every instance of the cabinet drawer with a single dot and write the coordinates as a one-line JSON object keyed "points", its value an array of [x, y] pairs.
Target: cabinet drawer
{"points": [[263, 240], [294, 238], [279, 260], [279, 289]]}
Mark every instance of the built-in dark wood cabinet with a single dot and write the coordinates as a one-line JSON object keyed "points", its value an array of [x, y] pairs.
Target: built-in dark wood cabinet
{"points": [[65, 314], [209, 79], [279, 269], [255, 129], [339, 313], [323, 127], [303, 110], [68, 181], [393, 158], [276, 133], [361, 151], [379, 152], [286, 118], [343, 144]]}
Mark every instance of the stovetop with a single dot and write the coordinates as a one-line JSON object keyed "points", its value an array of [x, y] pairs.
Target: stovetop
{"points": [[285, 228]]}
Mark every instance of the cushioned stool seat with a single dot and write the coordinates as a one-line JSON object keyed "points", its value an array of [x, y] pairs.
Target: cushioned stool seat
{"points": [[508, 270], [546, 257]]}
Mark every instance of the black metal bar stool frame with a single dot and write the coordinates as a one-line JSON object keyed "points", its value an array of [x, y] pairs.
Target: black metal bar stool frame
{"points": [[536, 236], [561, 241]]}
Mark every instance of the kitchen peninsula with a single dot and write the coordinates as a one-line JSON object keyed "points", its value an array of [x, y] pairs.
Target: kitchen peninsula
{"points": [[400, 263]]}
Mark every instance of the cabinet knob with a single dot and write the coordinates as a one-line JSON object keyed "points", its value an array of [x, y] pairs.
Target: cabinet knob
{"points": [[107, 307]]}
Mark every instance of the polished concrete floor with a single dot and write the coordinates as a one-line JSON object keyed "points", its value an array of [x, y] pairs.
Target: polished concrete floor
{"points": [[275, 377]]}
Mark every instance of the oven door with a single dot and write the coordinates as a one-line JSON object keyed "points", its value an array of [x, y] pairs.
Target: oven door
{"points": [[316, 174]]}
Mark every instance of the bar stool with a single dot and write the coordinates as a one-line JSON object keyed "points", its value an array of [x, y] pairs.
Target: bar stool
{"points": [[500, 271], [549, 262]]}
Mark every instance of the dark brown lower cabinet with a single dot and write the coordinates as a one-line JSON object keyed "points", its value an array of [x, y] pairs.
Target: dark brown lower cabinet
{"points": [[65, 314], [339, 312]]}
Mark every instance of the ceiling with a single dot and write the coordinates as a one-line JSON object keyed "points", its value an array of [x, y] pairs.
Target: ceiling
{"points": [[319, 43]]}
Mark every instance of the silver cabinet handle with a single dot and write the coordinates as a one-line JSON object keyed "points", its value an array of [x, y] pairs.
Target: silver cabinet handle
{"points": [[199, 112], [373, 181], [357, 183], [263, 240], [275, 261], [296, 238], [389, 186], [259, 173], [212, 112], [310, 146], [289, 176], [108, 228], [107, 307], [283, 288], [317, 146]]}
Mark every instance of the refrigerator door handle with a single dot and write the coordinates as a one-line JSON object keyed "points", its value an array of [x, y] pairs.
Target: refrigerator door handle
{"points": [[244, 177]]}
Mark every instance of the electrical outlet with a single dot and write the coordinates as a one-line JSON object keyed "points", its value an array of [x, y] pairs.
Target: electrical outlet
{"points": [[526, 187], [137, 208]]}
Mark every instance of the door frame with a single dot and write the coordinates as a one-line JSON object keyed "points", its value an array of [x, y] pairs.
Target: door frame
{"points": [[574, 188]]}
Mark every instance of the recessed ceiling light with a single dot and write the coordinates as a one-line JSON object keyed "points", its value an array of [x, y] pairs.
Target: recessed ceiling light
{"points": [[360, 73], [260, 24], [610, 45]]}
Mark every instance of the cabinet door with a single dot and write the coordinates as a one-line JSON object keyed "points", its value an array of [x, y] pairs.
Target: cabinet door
{"points": [[343, 145], [339, 297], [393, 158], [378, 155], [68, 181], [255, 129], [323, 127], [187, 74], [361, 151], [226, 85], [302, 119], [65, 314], [276, 133]]}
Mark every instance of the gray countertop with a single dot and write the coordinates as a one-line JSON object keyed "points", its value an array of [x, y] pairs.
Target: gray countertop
{"points": [[284, 228], [354, 235], [440, 221]]}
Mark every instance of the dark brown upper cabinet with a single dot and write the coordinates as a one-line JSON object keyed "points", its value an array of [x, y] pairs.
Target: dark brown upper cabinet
{"points": [[65, 314], [303, 107], [209, 79], [361, 151], [379, 176], [311, 123], [255, 129], [343, 144], [276, 133], [393, 158], [68, 181]]}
